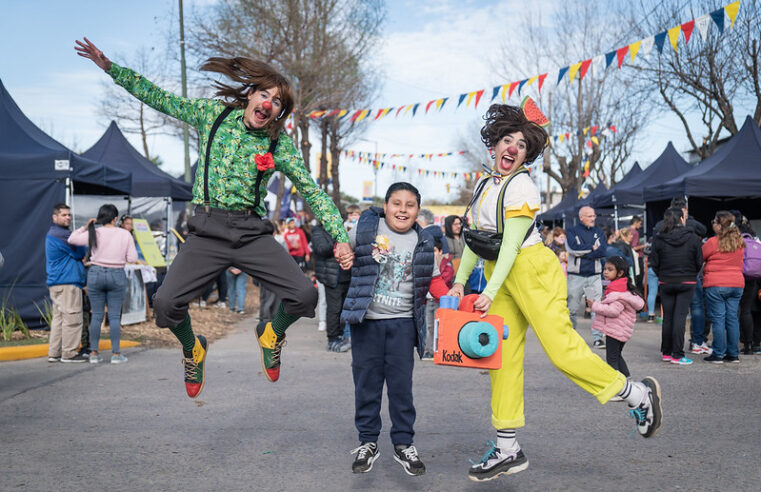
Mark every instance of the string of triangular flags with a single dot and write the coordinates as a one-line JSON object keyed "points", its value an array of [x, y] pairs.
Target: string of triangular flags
{"points": [[372, 155], [433, 173], [581, 68]]}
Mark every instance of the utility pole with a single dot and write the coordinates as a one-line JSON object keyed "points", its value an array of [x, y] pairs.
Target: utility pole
{"points": [[184, 95]]}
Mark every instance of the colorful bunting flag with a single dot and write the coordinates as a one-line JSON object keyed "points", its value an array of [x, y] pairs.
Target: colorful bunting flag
{"points": [[687, 28], [633, 49], [573, 70], [718, 19], [647, 45], [732, 9], [621, 54], [561, 73], [703, 22], [660, 38], [584, 67], [674, 35]]}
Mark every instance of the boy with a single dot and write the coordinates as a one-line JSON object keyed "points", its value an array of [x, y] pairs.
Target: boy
{"points": [[394, 269]]}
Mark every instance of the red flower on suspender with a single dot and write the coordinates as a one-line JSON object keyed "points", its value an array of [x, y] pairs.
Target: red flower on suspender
{"points": [[264, 161]]}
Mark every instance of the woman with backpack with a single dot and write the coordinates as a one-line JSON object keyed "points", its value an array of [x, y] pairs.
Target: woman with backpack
{"points": [[723, 283], [750, 307]]}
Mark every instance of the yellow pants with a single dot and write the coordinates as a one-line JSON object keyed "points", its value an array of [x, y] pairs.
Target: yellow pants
{"points": [[535, 294]]}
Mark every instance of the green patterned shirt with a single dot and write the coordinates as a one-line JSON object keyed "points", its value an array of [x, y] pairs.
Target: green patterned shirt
{"points": [[232, 170]]}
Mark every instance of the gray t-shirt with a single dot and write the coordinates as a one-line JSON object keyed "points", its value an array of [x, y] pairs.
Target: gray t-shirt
{"points": [[393, 296]]}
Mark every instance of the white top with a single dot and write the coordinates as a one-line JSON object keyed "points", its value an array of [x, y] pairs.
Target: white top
{"points": [[521, 199]]}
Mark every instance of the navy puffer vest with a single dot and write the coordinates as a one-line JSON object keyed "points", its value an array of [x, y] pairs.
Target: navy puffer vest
{"points": [[364, 274]]}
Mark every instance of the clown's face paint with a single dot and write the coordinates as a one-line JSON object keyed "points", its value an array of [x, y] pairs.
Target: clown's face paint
{"points": [[263, 107], [509, 153]]}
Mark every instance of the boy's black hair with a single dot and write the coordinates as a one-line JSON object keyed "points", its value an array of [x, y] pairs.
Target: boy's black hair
{"points": [[621, 265], [402, 186]]}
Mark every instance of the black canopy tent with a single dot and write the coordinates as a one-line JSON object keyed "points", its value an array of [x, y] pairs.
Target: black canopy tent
{"points": [[36, 172], [148, 180], [559, 211], [728, 179]]}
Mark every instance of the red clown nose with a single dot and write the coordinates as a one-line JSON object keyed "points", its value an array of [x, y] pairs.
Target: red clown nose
{"points": [[267, 105], [512, 150]]}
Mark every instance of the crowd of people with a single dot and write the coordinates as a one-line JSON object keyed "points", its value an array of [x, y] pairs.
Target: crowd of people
{"points": [[712, 281]]}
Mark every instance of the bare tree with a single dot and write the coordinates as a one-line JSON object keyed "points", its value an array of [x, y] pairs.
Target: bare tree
{"points": [[706, 81], [595, 97]]}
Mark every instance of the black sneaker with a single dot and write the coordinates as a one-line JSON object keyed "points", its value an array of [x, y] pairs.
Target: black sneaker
{"points": [[77, 358], [496, 462], [367, 453], [649, 413], [756, 349], [408, 458], [727, 358], [746, 350], [713, 358], [598, 344], [651, 318], [428, 356]]}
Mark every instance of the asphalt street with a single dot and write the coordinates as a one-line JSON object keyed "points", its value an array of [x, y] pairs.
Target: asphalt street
{"points": [[131, 427]]}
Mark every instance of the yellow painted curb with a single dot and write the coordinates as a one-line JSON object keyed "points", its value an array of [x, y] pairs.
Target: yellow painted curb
{"points": [[41, 350]]}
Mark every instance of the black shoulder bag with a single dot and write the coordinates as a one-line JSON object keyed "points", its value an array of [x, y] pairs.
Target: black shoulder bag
{"points": [[484, 243]]}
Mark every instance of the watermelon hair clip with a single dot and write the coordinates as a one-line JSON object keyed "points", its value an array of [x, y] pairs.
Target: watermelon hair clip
{"points": [[533, 113]]}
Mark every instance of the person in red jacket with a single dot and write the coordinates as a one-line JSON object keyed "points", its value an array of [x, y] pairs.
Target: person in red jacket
{"points": [[723, 282], [296, 240]]}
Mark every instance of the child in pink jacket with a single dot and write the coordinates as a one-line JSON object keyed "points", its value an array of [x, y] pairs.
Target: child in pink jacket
{"points": [[616, 312]]}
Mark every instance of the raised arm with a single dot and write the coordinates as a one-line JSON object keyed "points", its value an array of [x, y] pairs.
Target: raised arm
{"points": [[191, 111]]}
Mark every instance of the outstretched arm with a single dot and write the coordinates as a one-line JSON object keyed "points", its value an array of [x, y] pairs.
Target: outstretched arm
{"points": [[191, 111]]}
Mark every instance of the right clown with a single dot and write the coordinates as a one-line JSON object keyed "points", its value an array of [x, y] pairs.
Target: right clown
{"points": [[526, 286]]}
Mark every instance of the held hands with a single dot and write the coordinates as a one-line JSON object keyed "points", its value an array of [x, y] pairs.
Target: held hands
{"points": [[344, 255], [590, 302], [90, 51]]}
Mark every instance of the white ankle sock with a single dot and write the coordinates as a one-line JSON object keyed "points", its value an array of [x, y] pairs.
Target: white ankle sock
{"points": [[633, 393], [506, 440]]}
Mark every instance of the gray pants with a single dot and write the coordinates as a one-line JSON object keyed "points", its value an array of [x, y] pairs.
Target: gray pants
{"points": [[578, 287], [66, 325], [223, 239], [431, 305]]}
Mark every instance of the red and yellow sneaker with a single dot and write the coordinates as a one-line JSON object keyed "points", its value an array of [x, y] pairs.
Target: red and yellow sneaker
{"points": [[271, 349], [195, 367]]}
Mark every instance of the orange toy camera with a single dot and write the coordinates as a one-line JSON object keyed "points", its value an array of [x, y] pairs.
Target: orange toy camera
{"points": [[461, 337]]}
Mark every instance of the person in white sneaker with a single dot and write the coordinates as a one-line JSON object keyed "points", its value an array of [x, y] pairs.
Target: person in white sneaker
{"points": [[526, 286]]}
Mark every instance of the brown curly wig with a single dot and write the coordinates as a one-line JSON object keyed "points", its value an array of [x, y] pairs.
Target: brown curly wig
{"points": [[502, 120], [253, 74]]}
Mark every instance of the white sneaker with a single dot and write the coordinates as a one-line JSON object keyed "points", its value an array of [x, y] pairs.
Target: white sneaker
{"points": [[118, 359], [322, 326], [497, 462], [220, 305], [202, 303], [95, 359], [648, 413], [706, 349]]}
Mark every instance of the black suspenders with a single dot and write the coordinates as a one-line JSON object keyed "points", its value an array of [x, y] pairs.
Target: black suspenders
{"points": [[259, 174]]}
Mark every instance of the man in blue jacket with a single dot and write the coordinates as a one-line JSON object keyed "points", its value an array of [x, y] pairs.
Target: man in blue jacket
{"points": [[66, 278], [586, 245]]}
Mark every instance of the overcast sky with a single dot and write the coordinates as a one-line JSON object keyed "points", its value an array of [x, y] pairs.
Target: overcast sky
{"points": [[429, 50]]}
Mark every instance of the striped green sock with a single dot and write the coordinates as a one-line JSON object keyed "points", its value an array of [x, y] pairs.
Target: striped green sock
{"points": [[282, 321], [184, 334]]}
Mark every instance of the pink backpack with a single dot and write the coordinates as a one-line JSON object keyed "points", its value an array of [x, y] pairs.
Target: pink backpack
{"points": [[752, 257]]}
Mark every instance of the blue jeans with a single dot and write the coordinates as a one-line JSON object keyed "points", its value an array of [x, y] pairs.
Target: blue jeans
{"points": [[652, 290], [106, 287], [722, 304], [383, 351], [697, 314], [236, 290]]}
